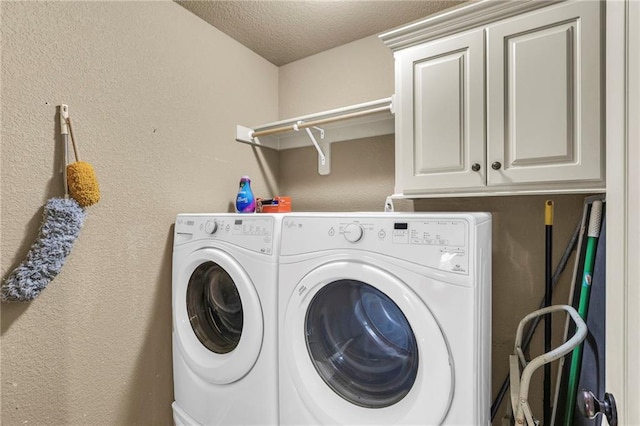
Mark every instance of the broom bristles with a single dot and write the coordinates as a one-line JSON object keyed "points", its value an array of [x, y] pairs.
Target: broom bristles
{"points": [[83, 184]]}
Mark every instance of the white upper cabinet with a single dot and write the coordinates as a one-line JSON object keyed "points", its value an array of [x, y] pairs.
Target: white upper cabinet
{"points": [[543, 97], [440, 118], [509, 106]]}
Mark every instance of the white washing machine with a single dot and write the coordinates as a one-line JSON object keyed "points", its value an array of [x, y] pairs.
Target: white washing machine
{"points": [[225, 319], [385, 319]]}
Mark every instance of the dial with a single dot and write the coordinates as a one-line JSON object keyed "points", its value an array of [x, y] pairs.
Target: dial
{"points": [[353, 232], [211, 226]]}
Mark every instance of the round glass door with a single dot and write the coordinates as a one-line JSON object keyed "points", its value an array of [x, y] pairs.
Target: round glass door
{"points": [[218, 319], [214, 308], [361, 344]]}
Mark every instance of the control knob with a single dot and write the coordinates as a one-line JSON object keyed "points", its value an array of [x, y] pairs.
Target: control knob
{"points": [[353, 232], [211, 226]]}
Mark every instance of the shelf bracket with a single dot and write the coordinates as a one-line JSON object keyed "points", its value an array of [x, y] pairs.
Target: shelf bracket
{"points": [[245, 135], [324, 164]]}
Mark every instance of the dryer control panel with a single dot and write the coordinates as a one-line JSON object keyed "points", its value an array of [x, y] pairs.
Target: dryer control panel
{"points": [[252, 232], [441, 241]]}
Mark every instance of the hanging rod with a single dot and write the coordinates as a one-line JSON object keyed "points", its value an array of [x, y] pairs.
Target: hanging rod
{"points": [[315, 123], [273, 136], [251, 135]]}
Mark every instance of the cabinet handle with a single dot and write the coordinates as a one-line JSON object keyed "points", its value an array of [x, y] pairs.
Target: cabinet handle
{"points": [[496, 165], [475, 167]]}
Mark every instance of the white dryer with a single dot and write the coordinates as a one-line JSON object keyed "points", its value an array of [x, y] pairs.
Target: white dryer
{"points": [[385, 319], [225, 319]]}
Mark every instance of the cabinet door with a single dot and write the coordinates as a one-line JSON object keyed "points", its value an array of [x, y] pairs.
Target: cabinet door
{"points": [[543, 97], [440, 115]]}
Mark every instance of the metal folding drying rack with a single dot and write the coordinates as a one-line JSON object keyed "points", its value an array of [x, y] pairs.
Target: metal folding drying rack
{"points": [[521, 371]]}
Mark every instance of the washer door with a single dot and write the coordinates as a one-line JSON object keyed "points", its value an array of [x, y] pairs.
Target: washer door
{"points": [[364, 348], [218, 317], [361, 344]]}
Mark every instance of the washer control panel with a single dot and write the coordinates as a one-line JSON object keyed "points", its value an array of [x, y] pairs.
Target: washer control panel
{"points": [[251, 232], [438, 241], [442, 232]]}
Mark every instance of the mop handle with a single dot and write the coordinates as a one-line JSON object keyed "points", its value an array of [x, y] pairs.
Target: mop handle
{"points": [[64, 132], [583, 307], [548, 297], [73, 140]]}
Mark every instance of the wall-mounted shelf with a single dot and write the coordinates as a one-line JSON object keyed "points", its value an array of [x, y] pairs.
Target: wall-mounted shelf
{"points": [[364, 120]]}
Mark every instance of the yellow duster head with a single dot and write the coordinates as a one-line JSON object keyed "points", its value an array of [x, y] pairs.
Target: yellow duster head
{"points": [[83, 185]]}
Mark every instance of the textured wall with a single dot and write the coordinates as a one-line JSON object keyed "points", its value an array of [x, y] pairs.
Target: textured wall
{"points": [[361, 171], [359, 178], [363, 175], [357, 72], [155, 94]]}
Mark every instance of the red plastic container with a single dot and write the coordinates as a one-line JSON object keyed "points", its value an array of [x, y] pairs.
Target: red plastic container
{"points": [[280, 204]]}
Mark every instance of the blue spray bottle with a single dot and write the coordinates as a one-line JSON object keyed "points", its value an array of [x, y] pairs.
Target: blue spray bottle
{"points": [[245, 201]]}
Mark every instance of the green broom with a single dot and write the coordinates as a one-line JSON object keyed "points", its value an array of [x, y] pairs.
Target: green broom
{"points": [[583, 306]]}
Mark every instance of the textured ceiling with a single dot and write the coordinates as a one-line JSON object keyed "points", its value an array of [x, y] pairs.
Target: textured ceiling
{"points": [[285, 31]]}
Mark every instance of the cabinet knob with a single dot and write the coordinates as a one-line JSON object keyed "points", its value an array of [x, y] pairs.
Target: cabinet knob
{"points": [[475, 167], [496, 165]]}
